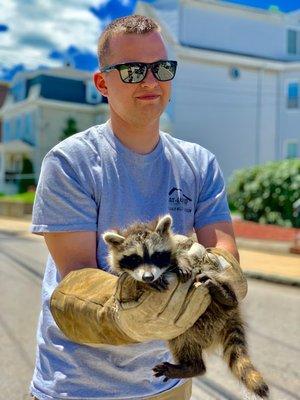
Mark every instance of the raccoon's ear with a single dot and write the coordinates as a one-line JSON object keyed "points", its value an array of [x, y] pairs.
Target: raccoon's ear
{"points": [[113, 238], [164, 225]]}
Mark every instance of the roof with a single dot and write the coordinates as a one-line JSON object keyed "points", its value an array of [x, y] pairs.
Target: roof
{"points": [[62, 72]]}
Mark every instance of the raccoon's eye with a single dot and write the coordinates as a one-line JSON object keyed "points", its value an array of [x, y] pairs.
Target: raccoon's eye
{"points": [[161, 258], [132, 261]]}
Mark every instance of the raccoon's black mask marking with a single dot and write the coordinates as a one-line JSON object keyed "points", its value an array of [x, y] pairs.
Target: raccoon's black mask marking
{"points": [[159, 258]]}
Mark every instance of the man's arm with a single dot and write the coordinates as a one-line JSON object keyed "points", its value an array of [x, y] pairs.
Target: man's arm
{"points": [[219, 235], [72, 250]]}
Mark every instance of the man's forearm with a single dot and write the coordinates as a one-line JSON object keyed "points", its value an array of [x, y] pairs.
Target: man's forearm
{"points": [[220, 235]]}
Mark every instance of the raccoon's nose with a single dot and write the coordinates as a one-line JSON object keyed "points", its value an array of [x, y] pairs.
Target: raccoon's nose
{"points": [[148, 277]]}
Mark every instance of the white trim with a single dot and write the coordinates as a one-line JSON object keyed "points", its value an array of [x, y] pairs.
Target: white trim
{"points": [[29, 104], [15, 147], [236, 8], [210, 56], [66, 72], [63, 105]]}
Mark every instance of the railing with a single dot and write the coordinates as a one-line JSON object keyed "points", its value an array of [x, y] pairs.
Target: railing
{"points": [[14, 177]]}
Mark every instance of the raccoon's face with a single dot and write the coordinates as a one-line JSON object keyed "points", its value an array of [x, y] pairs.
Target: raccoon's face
{"points": [[142, 251]]}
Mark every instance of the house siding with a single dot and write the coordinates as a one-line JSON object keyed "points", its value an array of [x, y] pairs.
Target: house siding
{"points": [[228, 29], [218, 112]]}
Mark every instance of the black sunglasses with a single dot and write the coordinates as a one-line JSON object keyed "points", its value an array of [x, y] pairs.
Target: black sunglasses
{"points": [[135, 72]]}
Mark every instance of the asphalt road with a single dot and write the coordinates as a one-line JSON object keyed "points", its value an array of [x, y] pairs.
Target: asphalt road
{"points": [[271, 310]]}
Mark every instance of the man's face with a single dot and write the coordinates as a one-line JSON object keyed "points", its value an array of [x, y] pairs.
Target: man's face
{"points": [[141, 103]]}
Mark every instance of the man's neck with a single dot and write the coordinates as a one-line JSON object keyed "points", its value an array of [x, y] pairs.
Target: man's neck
{"points": [[141, 139]]}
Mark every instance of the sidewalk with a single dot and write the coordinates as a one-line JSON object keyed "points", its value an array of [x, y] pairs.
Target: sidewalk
{"points": [[260, 259]]}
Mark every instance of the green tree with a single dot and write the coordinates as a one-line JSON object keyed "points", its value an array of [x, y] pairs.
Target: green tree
{"points": [[70, 129], [27, 169]]}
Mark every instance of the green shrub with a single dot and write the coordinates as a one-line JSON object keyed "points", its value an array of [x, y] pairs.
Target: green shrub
{"points": [[266, 193], [27, 198]]}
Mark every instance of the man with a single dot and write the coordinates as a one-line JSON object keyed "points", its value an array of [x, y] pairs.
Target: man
{"points": [[110, 176]]}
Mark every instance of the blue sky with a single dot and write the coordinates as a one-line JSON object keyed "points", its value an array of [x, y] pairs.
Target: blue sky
{"points": [[36, 33]]}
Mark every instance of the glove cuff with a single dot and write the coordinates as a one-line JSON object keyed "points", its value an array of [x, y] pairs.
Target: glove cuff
{"points": [[83, 307]]}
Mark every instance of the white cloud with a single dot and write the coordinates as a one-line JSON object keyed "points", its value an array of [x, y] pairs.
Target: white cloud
{"points": [[37, 27], [125, 2]]}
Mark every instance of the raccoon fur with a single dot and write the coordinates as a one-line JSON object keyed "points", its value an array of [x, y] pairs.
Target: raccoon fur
{"points": [[149, 252]]}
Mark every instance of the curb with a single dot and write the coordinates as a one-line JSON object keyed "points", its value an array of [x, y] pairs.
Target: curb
{"points": [[23, 234], [264, 245], [283, 280]]}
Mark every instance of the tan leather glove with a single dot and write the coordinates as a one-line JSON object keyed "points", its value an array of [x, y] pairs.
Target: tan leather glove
{"points": [[229, 270], [93, 307]]}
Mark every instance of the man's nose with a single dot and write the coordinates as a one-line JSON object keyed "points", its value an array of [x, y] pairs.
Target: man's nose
{"points": [[149, 80]]}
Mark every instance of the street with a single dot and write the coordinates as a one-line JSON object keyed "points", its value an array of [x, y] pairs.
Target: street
{"points": [[271, 310]]}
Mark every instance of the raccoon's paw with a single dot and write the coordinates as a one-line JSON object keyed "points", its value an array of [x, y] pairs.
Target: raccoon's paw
{"points": [[165, 369], [179, 371], [160, 284], [184, 270], [221, 293], [204, 278]]}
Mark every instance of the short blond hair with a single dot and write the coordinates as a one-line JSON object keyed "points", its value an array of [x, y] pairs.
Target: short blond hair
{"points": [[137, 24]]}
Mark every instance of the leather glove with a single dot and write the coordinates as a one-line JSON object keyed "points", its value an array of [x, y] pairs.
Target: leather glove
{"points": [[229, 270], [93, 307]]}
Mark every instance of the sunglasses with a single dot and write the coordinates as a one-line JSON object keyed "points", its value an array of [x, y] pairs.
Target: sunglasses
{"points": [[135, 72]]}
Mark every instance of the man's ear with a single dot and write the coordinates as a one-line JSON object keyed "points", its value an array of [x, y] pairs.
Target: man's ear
{"points": [[113, 239], [100, 83], [164, 225]]}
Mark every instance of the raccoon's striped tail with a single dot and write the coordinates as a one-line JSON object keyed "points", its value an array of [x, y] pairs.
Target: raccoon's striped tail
{"points": [[236, 355]]}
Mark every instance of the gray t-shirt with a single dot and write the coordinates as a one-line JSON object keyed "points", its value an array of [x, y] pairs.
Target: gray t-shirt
{"points": [[91, 182]]}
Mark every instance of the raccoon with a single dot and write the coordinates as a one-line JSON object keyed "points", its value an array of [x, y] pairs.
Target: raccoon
{"points": [[150, 253]]}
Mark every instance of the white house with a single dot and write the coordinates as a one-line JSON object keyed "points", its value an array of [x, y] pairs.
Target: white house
{"points": [[237, 89], [36, 112]]}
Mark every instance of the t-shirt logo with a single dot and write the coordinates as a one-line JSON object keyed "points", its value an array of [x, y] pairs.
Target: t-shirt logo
{"points": [[178, 201]]}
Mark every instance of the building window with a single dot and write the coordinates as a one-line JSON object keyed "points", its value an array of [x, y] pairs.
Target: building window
{"points": [[92, 95], [292, 42], [29, 131], [293, 95], [6, 131], [19, 91], [291, 149], [18, 134]]}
